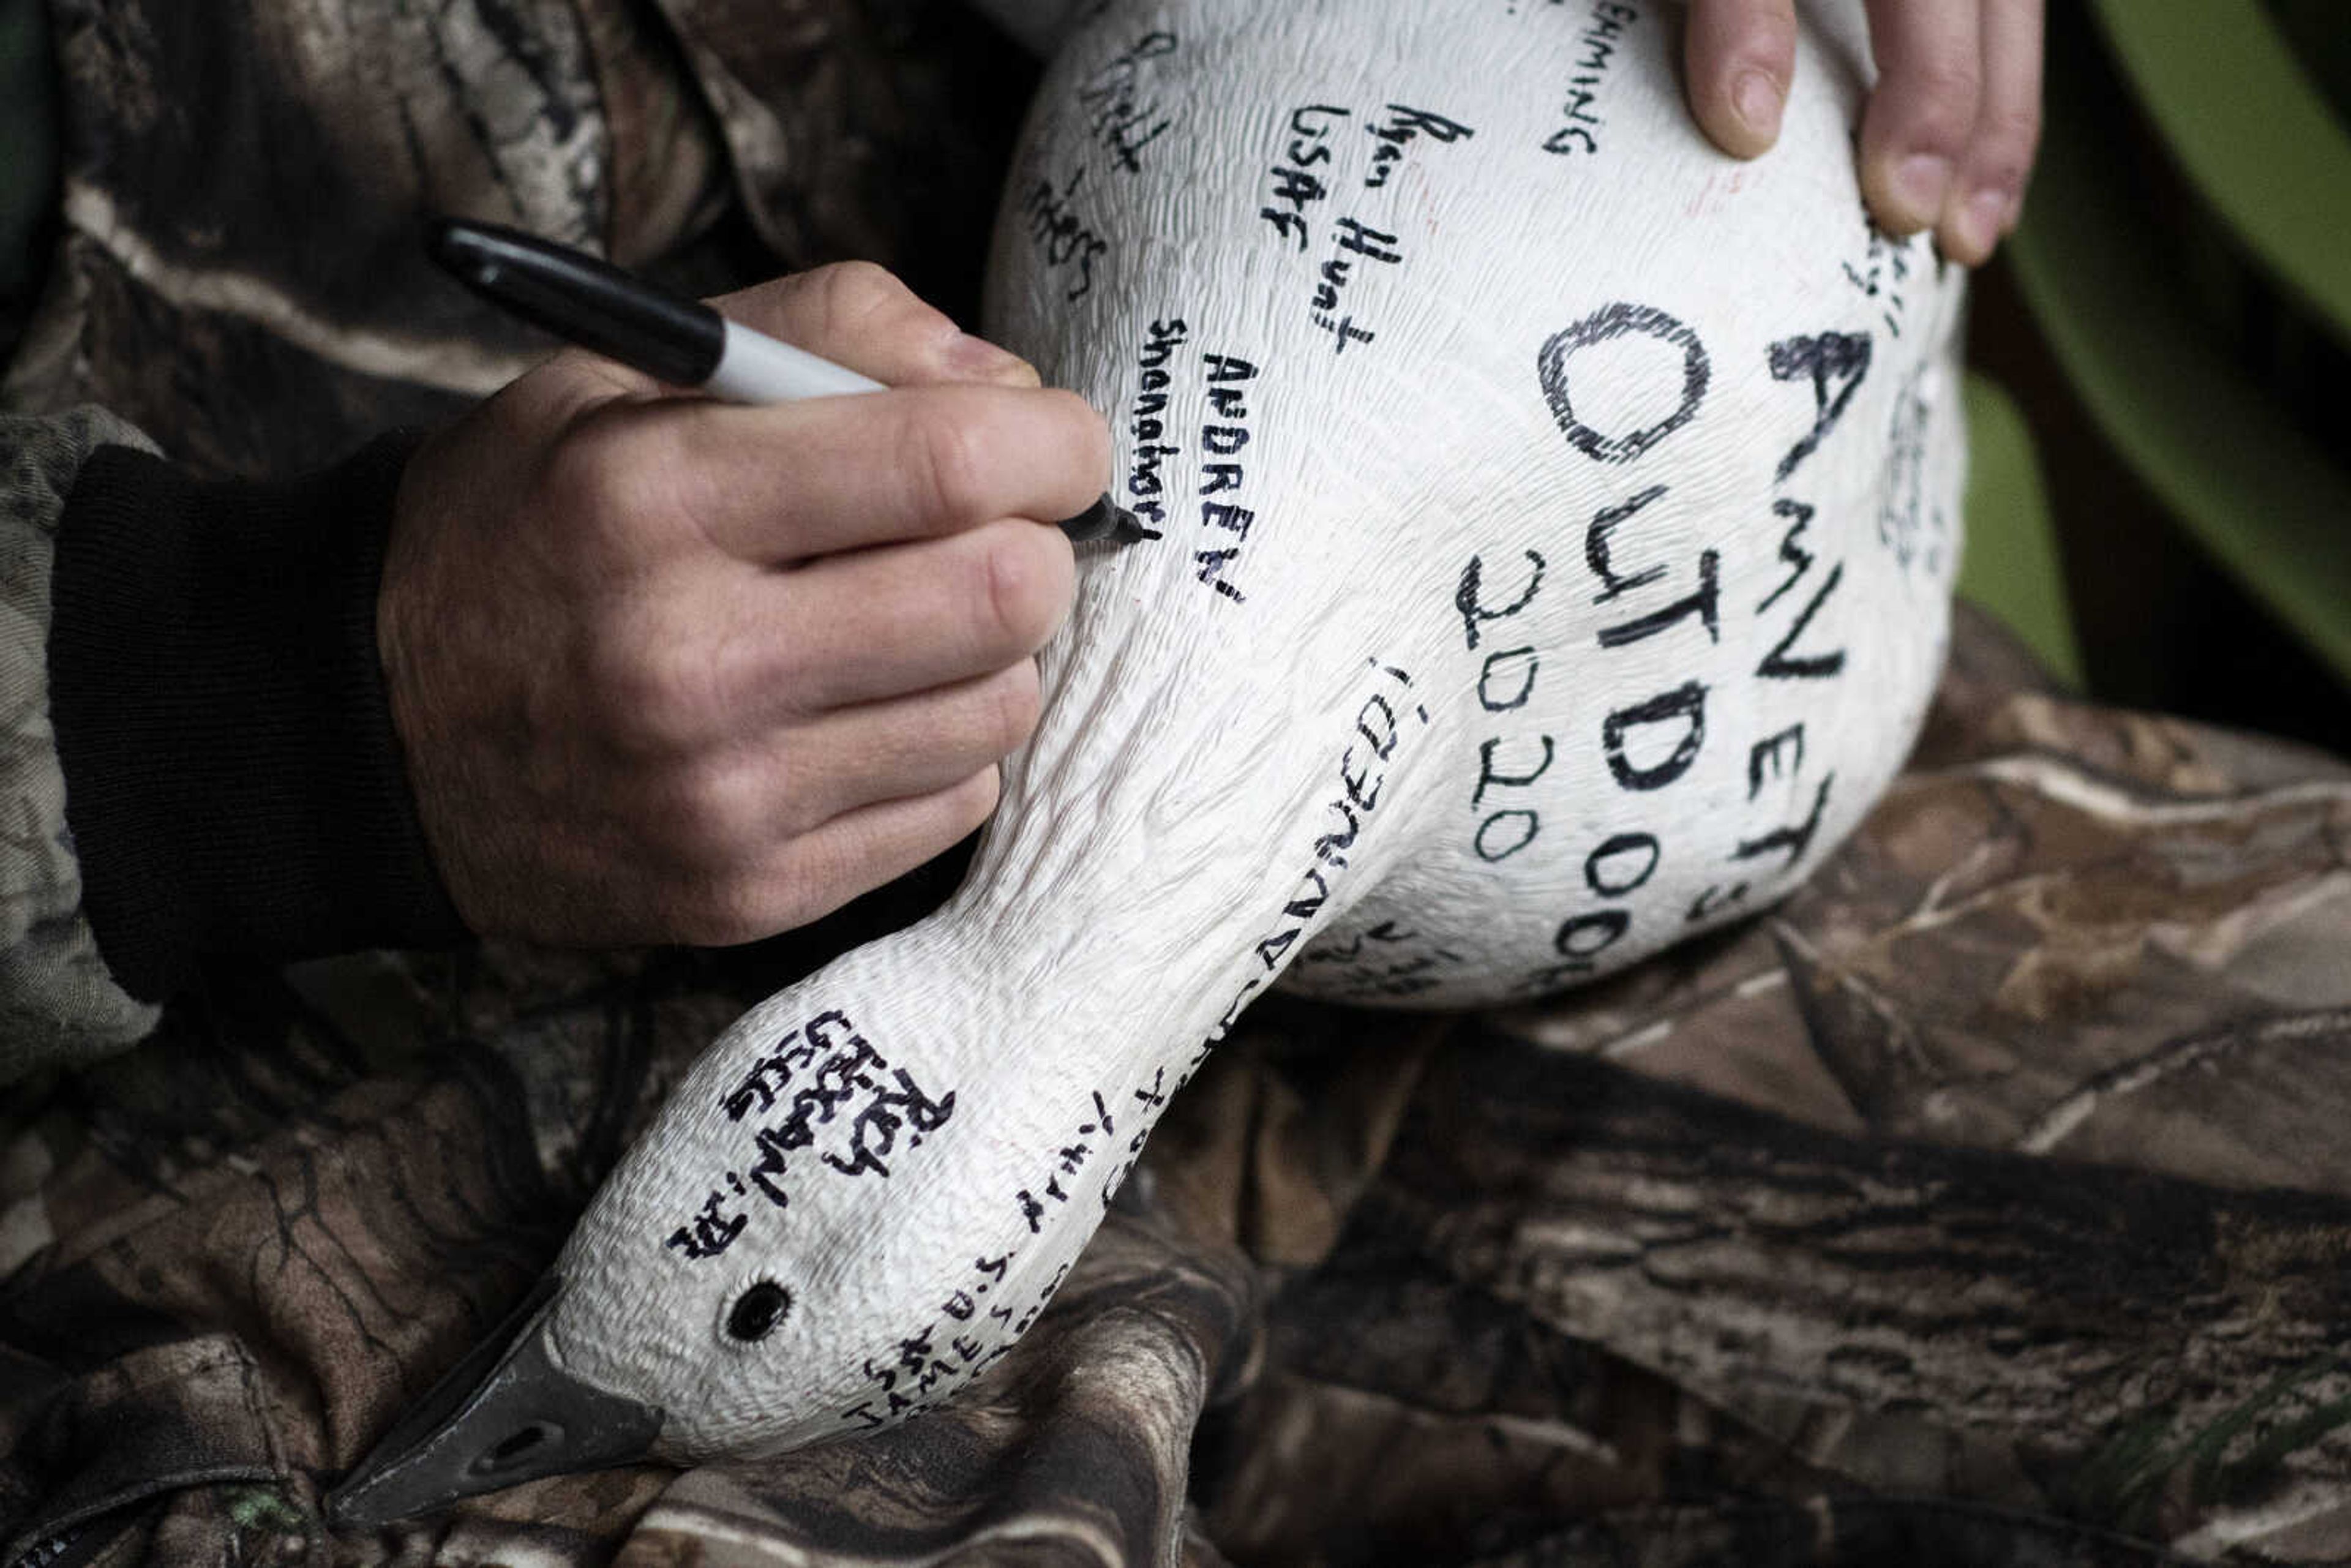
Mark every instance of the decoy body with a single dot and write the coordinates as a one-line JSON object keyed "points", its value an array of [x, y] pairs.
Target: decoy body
{"points": [[1557, 524]]}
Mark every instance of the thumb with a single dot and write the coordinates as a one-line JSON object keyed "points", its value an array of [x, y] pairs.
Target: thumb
{"points": [[861, 316]]}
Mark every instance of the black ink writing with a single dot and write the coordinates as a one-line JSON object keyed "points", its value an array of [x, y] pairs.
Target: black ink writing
{"points": [[1554, 363], [1597, 548], [1469, 596], [1836, 364], [1355, 240], [1297, 184], [1065, 240], [1117, 117], [1622, 865], [1398, 131], [1223, 438], [1579, 133], [820, 1086], [1778, 665], [1495, 693], [1148, 425], [1652, 742], [1701, 602], [1684, 706], [1772, 750], [1511, 825], [1794, 839]]}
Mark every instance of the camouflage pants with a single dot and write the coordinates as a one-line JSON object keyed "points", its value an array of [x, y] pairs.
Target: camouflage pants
{"points": [[1987, 1204]]}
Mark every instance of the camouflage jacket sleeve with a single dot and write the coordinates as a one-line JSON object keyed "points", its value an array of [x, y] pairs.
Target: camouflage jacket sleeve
{"points": [[58, 1001]]}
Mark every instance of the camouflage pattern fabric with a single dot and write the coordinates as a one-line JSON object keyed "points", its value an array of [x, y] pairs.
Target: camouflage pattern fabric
{"points": [[57, 1002], [1985, 1204], [239, 270], [239, 280]]}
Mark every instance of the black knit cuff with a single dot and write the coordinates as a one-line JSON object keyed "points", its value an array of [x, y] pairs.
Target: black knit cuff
{"points": [[233, 782]]}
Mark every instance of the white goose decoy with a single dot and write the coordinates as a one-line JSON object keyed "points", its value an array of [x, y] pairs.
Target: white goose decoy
{"points": [[1558, 521]]}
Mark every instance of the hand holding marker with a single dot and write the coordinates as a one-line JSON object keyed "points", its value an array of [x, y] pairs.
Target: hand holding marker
{"points": [[601, 307]]}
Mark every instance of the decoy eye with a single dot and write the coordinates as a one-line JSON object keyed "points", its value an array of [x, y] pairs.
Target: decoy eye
{"points": [[758, 1310]]}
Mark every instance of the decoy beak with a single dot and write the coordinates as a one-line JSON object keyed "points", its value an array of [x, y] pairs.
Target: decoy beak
{"points": [[505, 1414]]}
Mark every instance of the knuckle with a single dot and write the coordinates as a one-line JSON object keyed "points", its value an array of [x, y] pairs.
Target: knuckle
{"points": [[602, 470], [950, 461], [579, 469], [789, 671], [1012, 708], [952, 814], [707, 813], [1940, 95], [1019, 702], [1019, 591], [654, 691], [1080, 434], [565, 369], [623, 680], [683, 468], [2004, 146], [849, 294], [1767, 39], [809, 878], [968, 804], [725, 911]]}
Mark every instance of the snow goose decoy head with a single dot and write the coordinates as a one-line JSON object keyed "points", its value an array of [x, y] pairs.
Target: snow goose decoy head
{"points": [[1559, 521]]}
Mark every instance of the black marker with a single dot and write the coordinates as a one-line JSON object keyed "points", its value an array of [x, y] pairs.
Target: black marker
{"points": [[597, 306]]}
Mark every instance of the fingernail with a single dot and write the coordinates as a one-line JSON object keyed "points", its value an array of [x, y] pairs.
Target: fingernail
{"points": [[1757, 99], [983, 360], [1980, 221], [1918, 183]]}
